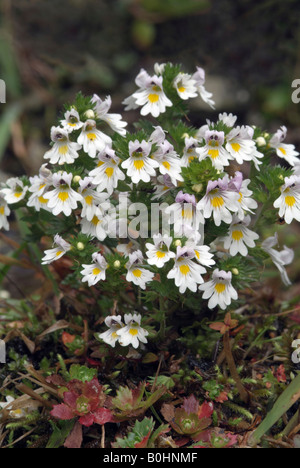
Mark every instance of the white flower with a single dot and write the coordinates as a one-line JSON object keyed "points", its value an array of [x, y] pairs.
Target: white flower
{"points": [[169, 161], [63, 199], [71, 121], [185, 86], [97, 226], [4, 213], [199, 77], [245, 202], [96, 271], [280, 259], [190, 151], [113, 120], [219, 201], [159, 253], [132, 334], [114, 323], [241, 146], [184, 212], [289, 200], [15, 414], [284, 150], [227, 119], [202, 252], [92, 139], [139, 165], [164, 185], [214, 150], [107, 173], [239, 237], [219, 290], [90, 198], [135, 272], [39, 186], [15, 190], [150, 96], [186, 273], [63, 150], [57, 252]]}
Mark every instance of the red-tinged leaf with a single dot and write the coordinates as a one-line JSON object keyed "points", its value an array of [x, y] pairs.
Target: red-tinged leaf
{"points": [[206, 410], [67, 338], [56, 380], [94, 362], [203, 437], [144, 441], [62, 411], [181, 442], [222, 397], [70, 398], [87, 420], [190, 405], [168, 411], [102, 416], [74, 439]]}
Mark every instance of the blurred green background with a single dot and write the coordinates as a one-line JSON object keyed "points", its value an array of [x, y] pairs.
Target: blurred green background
{"points": [[51, 49]]}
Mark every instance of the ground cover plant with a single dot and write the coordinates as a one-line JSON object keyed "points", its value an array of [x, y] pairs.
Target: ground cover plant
{"points": [[155, 323]]}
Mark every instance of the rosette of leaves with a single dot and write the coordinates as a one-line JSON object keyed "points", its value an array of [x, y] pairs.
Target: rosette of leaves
{"points": [[130, 403], [190, 419]]}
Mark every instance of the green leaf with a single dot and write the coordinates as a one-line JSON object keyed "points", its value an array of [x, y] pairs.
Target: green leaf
{"points": [[61, 430], [82, 373], [287, 399]]}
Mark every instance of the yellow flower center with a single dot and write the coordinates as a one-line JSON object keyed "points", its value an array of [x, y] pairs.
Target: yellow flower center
{"points": [[63, 149], [160, 254], [220, 288], [139, 164], [237, 235], [109, 171], [133, 331], [236, 147], [153, 98], [290, 200], [63, 196], [213, 153], [137, 273], [42, 200], [167, 165], [282, 150], [89, 199], [217, 202], [184, 269], [96, 271], [91, 136]]}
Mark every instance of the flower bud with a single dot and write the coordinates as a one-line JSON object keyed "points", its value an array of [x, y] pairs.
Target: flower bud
{"points": [[261, 141], [90, 114], [235, 271], [197, 188], [76, 179], [177, 243], [117, 263], [80, 245]]}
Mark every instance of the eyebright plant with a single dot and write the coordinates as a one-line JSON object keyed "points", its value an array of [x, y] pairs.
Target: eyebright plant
{"points": [[164, 213]]}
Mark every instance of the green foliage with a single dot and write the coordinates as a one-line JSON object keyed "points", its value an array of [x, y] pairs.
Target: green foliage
{"points": [[82, 373], [142, 435]]}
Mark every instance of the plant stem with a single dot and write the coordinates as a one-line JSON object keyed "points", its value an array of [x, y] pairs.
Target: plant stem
{"points": [[233, 370], [162, 329]]}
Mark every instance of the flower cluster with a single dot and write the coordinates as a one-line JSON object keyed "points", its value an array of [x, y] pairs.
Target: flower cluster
{"points": [[210, 186]]}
